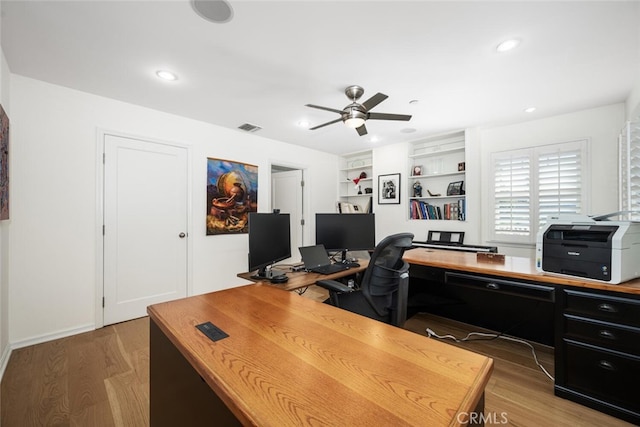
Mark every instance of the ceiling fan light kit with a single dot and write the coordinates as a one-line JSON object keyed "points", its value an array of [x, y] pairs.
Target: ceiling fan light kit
{"points": [[356, 118], [354, 115]]}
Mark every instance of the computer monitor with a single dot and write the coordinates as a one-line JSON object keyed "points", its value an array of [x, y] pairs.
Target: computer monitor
{"points": [[346, 232], [269, 242]]}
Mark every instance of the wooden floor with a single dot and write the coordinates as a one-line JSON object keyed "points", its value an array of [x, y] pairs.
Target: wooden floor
{"points": [[101, 378]]}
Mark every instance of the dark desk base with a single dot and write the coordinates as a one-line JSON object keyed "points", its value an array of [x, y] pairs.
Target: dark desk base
{"points": [[178, 395], [594, 332], [502, 310]]}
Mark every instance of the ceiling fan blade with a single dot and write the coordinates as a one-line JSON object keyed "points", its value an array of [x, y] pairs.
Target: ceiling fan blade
{"points": [[324, 108], [374, 100], [325, 124], [385, 116], [362, 130]]}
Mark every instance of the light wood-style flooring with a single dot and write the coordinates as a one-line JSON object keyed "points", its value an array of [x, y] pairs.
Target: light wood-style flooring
{"points": [[101, 378]]}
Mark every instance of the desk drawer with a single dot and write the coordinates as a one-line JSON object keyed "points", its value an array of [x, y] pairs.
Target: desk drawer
{"points": [[610, 376], [613, 309], [604, 334], [527, 290]]}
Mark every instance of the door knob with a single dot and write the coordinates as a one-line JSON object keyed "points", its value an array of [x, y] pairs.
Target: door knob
{"points": [[182, 235]]}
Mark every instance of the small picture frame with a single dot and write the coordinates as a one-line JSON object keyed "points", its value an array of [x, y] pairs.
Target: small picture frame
{"points": [[389, 189], [461, 167], [455, 188], [416, 171]]}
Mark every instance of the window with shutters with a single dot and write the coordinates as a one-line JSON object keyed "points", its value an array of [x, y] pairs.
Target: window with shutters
{"points": [[630, 170], [529, 185]]}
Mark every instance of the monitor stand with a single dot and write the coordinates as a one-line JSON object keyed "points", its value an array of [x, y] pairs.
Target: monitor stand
{"points": [[268, 273], [343, 257]]}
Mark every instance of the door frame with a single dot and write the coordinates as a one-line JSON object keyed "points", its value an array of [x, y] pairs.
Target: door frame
{"points": [[100, 194], [306, 204]]}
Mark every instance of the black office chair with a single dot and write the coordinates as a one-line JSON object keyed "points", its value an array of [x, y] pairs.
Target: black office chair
{"points": [[382, 292]]}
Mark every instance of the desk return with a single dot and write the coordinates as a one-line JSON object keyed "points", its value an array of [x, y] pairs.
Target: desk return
{"points": [[594, 326]]}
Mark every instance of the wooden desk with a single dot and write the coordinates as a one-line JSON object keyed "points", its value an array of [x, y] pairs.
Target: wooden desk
{"points": [[289, 360], [593, 326], [302, 279], [513, 267]]}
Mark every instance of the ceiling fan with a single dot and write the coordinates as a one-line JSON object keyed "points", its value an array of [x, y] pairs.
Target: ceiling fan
{"points": [[354, 115]]}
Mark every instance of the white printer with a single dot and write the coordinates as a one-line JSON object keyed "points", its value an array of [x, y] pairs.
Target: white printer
{"points": [[593, 248]]}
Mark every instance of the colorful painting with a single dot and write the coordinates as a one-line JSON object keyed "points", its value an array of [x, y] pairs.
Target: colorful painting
{"points": [[232, 192], [4, 165]]}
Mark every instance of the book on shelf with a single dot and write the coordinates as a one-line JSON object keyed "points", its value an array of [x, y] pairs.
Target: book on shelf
{"points": [[454, 211], [346, 207]]}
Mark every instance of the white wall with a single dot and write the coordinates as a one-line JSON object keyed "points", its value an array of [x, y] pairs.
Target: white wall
{"points": [[52, 267], [600, 125]]}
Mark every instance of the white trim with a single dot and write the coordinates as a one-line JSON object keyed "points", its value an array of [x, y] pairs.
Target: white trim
{"points": [[99, 287], [4, 360], [53, 336], [306, 198]]}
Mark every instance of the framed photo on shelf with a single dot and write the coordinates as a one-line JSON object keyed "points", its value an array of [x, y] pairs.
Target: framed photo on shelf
{"points": [[389, 189], [455, 188], [416, 171]]}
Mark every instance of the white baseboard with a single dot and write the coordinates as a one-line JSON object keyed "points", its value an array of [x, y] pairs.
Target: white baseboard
{"points": [[54, 336], [4, 360]]}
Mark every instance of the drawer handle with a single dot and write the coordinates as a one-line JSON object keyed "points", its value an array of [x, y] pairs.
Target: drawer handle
{"points": [[493, 286], [607, 308], [607, 334], [605, 364]]}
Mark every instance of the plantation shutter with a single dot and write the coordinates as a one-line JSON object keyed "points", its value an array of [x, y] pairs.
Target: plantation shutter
{"points": [[529, 185], [512, 193], [560, 181], [630, 169]]}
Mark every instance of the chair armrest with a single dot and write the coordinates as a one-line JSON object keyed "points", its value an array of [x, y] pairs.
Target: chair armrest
{"points": [[334, 286]]}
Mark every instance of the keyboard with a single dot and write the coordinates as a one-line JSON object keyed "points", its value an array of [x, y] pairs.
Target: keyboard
{"points": [[330, 268]]}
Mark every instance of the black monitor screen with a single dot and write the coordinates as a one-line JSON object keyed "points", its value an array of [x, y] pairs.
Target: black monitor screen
{"points": [[341, 232], [269, 239]]}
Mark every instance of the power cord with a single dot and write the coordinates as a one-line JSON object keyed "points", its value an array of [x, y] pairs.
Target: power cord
{"points": [[431, 334]]}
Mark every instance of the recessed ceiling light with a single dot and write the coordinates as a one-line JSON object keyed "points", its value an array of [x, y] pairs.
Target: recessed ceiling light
{"points": [[508, 45], [303, 123], [530, 110], [374, 139], [166, 75]]}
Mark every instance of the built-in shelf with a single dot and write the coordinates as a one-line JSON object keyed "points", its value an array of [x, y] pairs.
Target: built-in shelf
{"points": [[353, 166], [436, 165]]}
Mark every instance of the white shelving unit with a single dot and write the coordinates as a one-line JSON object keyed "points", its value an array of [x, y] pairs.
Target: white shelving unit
{"points": [[353, 166], [437, 178]]}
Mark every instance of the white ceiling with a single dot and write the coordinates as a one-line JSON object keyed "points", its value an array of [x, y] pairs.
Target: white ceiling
{"points": [[274, 57]]}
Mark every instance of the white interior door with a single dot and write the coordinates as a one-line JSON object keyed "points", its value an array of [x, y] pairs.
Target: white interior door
{"points": [[145, 226], [286, 195]]}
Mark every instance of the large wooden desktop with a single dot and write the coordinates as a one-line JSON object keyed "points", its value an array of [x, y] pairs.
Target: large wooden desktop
{"points": [[289, 360], [302, 279], [593, 326]]}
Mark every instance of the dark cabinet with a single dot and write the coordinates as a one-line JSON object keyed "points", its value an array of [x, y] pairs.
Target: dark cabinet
{"points": [[598, 351]]}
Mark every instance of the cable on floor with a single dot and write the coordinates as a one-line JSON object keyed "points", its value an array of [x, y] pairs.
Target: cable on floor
{"points": [[430, 334]]}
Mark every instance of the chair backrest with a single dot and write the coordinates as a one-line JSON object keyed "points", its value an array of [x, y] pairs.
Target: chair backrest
{"points": [[386, 273]]}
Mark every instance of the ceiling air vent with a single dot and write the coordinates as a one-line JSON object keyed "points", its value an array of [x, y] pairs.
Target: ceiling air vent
{"points": [[248, 127]]}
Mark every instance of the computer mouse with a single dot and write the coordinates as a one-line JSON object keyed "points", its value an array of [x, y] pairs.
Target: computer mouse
{"points": [[279, 279]]}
